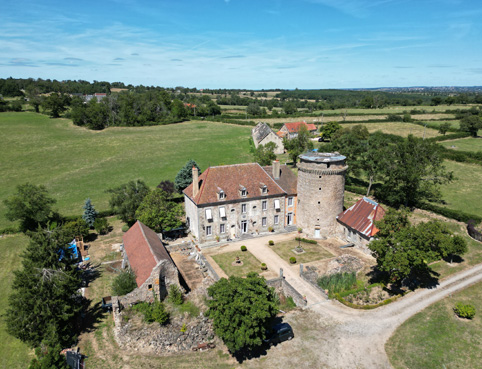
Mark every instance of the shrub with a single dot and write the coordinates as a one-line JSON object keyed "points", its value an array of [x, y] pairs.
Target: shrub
{"points": [[464, 310], [270, 229], [101, 225], [271, 242], [337, 282], [125, 228], [263, 266], [76, 228], [154, 312], [292, 260], [305, 240], [244, 248], [124, 283], [175, 295]]}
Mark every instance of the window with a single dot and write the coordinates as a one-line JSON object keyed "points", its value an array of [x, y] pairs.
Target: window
{"points": [[276, 204], [222, 228], [222, 195], [222, 212], [264, 205], [209, 214], [244, 226], [264, 190], [209, 231], [244, 192], [276, 219], [263, 221], [290, 201], [243, 208]]}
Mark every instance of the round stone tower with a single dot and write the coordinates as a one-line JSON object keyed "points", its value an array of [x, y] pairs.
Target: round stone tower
{"points": [[321, 187]]}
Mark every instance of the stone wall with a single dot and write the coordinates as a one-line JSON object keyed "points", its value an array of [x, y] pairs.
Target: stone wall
{"points": [[281, 285], [311, 277], [273, 137], [476, 235]]}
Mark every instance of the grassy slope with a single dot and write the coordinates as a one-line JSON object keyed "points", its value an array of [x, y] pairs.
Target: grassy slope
{"points": [[75, 163], [464, 144], [435, 338], [13, 353]]}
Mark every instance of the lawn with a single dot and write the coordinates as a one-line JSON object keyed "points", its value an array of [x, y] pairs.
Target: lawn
{"points": [[75, 163], [13, 352], [435, 338], [398, 128], [250, 263], [464, 144], [312, 251], [464, 193]]}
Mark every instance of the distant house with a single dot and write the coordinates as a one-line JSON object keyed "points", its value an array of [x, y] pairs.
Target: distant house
{"points": [[234, 201], [290, 130], [358, 222], [262, 134], [146, 255]]}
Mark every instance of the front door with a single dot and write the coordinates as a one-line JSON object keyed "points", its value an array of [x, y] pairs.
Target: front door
{"points": [[290, 219], [317, 233], [244, 226]]}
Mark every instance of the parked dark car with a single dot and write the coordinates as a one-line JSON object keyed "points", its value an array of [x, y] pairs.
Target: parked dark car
{"points": [[279, 333], [321, 139]]}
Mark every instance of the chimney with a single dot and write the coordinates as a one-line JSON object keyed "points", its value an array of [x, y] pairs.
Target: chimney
{"points": [[276, 169], [195, 181]]}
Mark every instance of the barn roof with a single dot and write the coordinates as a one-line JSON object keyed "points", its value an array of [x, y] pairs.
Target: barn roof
{"points": [[294, 127], [144, 249], [261, 131], [231, 179], [362, 215]]}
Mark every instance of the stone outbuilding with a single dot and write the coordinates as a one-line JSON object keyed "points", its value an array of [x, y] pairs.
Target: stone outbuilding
{"points": [[263, 134], [146, 255], [358, 222], [290, 130]]}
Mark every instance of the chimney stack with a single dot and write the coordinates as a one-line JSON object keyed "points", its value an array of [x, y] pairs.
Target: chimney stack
{"points": [[276, 169], [195, 181]]}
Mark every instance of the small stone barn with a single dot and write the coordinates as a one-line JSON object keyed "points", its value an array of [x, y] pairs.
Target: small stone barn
{"points": [[358, 222], [263, 134], [149, 259]]}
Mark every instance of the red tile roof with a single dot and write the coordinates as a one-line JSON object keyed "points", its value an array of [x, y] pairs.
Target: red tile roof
{"points": [[294, 127], [361, 216], [230, 179], [144, 250], [288, 180]]}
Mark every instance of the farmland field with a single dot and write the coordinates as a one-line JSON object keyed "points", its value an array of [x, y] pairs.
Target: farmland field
{"points": [[75, 163], [464, 144], [398, 128]]}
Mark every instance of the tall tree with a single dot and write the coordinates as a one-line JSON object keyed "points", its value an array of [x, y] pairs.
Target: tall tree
{"points": [[184, 176], [31, 205], [264, 154], [159, 212], [242, 310], [126, 199], [56, 103], [471, 124], [298, 145], [329, 129], [89, 213], [45, 302]]}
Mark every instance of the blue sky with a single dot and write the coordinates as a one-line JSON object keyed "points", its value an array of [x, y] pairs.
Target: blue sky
{"points": [[245, 43]]}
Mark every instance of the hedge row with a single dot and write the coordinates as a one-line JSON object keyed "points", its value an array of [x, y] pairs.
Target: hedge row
{"points": [[451, 136], [450, 213], [356, 189], [463, 156], [305, 240]]}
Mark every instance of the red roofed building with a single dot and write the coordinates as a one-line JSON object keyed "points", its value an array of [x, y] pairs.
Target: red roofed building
{"points": [[150, 261], [290, 130], [232, 201], [358, 222]]}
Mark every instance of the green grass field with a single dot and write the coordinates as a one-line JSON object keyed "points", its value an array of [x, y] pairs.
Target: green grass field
{"points": [[398, 128], [250, 263], [464, 144], [464, 193], [312, 252], [75, 163], [435, 338], [13, 352]]}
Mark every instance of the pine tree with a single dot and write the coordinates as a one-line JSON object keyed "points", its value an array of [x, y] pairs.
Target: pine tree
{"points": [[44, 302], [89, 213], [184, 176]]}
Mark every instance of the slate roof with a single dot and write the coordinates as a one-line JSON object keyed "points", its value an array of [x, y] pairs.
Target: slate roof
{"points": [[144, 250], [261, 131], [287, 180], [294, 127], [230, 179], [362, 215]]}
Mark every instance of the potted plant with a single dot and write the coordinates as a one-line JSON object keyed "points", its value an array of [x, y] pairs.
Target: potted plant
{"points": [[292, 260], [263, 266], [217, 238], [271, 242], [244, 248], [270, 229], [300, 230]]}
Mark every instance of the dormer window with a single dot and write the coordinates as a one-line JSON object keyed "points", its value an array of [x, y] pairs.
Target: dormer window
{"points": [[222, 195], [243, 192], [263, 188]]}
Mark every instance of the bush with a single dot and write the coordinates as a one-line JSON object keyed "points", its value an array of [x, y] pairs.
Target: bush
{"points": [[154, 312], [337, 282], [464, 310], [124, 283], [175, 295], [263, 266], [292, 260], [125, 228], [305, 240], [271, 242], [76, 228], [101, 225], [244, 248]]}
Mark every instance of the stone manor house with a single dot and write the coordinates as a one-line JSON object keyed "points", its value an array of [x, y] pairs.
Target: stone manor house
{"points": [[235, 201]]}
